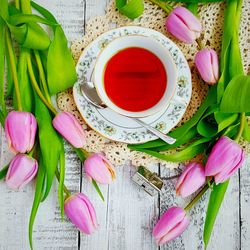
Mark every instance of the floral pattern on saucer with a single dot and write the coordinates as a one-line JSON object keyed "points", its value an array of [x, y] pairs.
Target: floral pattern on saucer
{"points": [[119, 128]]}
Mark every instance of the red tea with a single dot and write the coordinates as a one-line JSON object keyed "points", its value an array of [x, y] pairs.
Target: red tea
{"points": [[135, 79]]}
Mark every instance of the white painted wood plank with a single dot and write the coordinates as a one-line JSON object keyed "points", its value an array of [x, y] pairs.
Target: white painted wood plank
{"points": [[245, 204], [131, 213]]}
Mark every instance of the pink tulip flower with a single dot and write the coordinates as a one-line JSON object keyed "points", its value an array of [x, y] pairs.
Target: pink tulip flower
{"points": [[171, 225], [224, 160], [97, 167], [207, 63], [192, 178], [81, 213], [69, 127], [20, 131], [183, 25], [22, 170]]}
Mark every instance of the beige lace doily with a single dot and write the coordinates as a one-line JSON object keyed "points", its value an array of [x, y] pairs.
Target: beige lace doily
{"points": [[154, 18]]}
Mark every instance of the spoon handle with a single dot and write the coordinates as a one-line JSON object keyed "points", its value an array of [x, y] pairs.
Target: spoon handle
{"points": [[166, 138]]}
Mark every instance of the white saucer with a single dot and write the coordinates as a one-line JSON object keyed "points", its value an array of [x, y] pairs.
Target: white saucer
{"points": [[119, 128]]}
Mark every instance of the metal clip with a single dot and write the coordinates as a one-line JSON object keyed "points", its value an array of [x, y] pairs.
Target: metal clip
{"points": [[149, 181]]}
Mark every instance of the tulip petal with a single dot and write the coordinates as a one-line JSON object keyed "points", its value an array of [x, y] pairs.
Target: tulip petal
{"points": [[177, 28], [99, 168], [223, 153], [175, 232], [68, 126], [21, 171], [207, 64], [191, 180], [191, 21], [169, 220], [20, 131], [81, 213], [184, 25]]}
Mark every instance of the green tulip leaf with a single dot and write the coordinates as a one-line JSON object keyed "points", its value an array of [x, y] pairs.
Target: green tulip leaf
{"points": [[26, 92], [60, 60], [98, 190], [130, 8], [3, 172], [236, 96], [215, 201], [61, 183], [246, 131], [43, 12], [3, 109], [187, 153], [20, 18], [51, 143], [40, 180]]}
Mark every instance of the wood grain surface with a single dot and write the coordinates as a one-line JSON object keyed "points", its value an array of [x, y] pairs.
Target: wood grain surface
{"points": [[127, 216]]}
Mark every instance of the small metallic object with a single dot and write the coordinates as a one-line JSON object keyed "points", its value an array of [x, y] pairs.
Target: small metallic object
{"points": [[149, 181]]}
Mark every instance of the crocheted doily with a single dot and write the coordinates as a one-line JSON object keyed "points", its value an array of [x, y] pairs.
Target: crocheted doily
{"points": [[153, 17]]}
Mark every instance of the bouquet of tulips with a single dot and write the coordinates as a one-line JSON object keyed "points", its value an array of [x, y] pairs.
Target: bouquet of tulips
{"points": [[216, 128], [38, 65]]}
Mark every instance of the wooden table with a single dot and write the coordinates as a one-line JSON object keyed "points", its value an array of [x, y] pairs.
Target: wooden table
{"points": [[128, 214]]}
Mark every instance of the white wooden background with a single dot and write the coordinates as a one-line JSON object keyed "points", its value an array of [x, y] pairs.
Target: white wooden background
{"points": [[127, 216]]}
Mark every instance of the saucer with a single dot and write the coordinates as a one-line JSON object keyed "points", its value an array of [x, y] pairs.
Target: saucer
{"points": [[120, 128]]}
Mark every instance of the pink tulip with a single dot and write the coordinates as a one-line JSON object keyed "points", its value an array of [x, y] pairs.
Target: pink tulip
{"points": [[20, 131], [69, 127], [183, 25], [224, 160], [97, 167], [207, 64], [21, 171], [81, 213], [171, 225], [192, 178]]}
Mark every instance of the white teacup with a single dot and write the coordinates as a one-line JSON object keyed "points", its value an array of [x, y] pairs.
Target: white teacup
{"points": [[149, 44]]}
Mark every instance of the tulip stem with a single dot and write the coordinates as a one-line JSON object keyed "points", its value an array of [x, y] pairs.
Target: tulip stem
{"points": [[86, 153], [242, 124], [197, 197], [200, 44], [167, 8], [65, 189], [37, 89], [42, 76], [13, 68]]}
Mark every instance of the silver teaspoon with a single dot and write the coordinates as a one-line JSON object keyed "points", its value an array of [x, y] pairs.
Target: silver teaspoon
{"points": [[89, 92]]}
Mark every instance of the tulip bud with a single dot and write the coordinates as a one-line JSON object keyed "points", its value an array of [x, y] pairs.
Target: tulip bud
{"points": [[224, 160], [20, 131], [69, 127], [192, 178], [97, 167], [21, 171], [183, 25], [207, 63], [81, 213], [171, 225]]}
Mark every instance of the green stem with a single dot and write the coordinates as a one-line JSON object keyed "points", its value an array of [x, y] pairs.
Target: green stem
{"points": [[200, 44], [241, 128], [162, 5], [197, 197], [42, 76], [65, 189], [17, 4], [13, 68], [3, 171], [25, 5], [86, 153], [36, 87]]}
